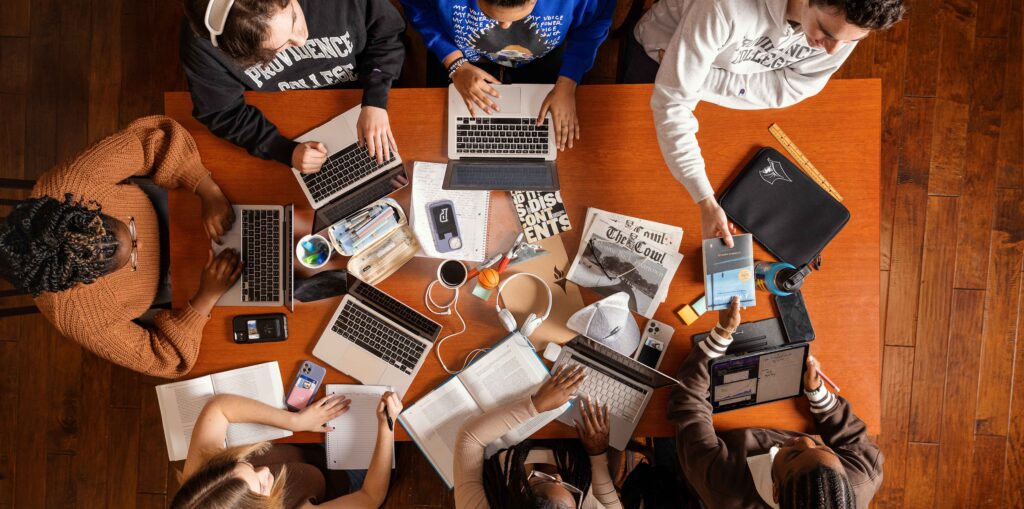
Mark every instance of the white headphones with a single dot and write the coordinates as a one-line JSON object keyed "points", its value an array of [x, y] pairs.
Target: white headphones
{"points": [[532, 321]]}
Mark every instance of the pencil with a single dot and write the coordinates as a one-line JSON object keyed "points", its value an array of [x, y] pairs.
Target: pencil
{"points": [[827, 379]]}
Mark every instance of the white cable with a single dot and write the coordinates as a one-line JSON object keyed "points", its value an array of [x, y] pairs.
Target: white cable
{"points": [[446, 309]]}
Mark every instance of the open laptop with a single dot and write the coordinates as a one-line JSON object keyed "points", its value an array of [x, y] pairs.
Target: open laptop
{"points": [[376, 339], [263, 235], [503, 150], [622, 383], [350, 178]]}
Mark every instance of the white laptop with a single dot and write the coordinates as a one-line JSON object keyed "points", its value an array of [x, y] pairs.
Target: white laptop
{"points": [[263, 235], [511, 133], [376, 339]]}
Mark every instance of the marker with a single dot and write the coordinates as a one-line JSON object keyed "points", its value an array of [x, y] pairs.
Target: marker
{"points": [[827, 379], [391, 423]]}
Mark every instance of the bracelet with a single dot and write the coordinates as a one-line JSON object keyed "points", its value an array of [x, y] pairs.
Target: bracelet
{"points": [[720, 326], [459, 62], [605, 451]]}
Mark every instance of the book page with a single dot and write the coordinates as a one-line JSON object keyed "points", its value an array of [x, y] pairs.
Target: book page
{"points": [[351, 445], [262, 383], [508, 372], [180, 405], [435, 420]]}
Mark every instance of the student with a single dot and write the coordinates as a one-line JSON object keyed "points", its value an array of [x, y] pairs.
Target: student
{"points": [[742, 54], [272, 45], [278, 476], [86, 245], [569, 475], [757, 468], [519, 41]]}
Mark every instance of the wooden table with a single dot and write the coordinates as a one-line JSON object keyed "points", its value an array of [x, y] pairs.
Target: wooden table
{"points": [[616, 166]]}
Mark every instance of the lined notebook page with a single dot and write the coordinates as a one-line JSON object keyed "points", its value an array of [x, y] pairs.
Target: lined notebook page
{"points": [[471, 214], [350, 446]]}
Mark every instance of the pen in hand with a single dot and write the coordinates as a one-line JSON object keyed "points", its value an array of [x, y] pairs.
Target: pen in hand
{"points": [[391, 422]]}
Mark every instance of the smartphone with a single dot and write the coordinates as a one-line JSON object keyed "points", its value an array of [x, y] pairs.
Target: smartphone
{"points": [[796, 323], [304, 388], [444, 226], [259, 328]]}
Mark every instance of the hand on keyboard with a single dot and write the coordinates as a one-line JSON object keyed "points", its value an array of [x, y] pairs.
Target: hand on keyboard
{"points": [[594, 428], [374, 132], [561, 102], [219, 274], [473, 84], [558, 388], [309, 156]]}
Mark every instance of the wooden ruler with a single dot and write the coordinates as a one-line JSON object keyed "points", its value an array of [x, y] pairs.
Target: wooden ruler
{"points": [[802, 160]]}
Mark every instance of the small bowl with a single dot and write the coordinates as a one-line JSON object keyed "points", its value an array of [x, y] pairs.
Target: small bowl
{"points": [[313, 251]]}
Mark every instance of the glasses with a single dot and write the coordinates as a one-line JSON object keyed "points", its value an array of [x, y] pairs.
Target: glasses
{"points": [[577, 495], [135, 244]]}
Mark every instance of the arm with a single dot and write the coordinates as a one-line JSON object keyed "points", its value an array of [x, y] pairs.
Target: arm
{"points": [[593, 429], [473, 439], [585, 37], [774, 89], [381, 61], [425, 17], [218, 102], [601, 484]]}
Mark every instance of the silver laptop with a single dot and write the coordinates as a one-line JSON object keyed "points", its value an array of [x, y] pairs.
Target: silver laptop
{"points": [[376, 339], [511, 133], [622, 383], [350, 178], [263, 235]]}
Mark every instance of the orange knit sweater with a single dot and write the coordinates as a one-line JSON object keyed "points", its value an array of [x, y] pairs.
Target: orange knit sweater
{"points": [[99, 315]]}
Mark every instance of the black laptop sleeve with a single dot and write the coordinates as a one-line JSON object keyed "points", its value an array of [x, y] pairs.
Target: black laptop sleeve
{"points": [[786, 211]]}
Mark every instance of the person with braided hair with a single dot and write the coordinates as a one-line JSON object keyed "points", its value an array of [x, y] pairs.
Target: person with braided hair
{"points": [[86, 245], [759, 468], [564, 475]]}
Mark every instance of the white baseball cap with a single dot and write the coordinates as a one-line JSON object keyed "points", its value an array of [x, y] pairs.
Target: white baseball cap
{"points": [[609, 321]]}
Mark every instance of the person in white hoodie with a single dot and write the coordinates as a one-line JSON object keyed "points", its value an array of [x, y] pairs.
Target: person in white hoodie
{"points": [[742, 54]]}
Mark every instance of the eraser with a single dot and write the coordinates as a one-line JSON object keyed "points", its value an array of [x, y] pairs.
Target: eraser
{"points": [[687, 314]]}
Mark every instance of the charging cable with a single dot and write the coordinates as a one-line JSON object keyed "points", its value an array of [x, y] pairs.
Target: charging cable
{"points": [[447, 309]]}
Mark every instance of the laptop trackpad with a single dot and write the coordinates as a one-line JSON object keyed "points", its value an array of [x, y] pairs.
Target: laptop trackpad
{"points": [[511, 100]]}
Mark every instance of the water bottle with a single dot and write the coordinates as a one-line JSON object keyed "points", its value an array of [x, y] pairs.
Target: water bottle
{"points": [[770, 276]]}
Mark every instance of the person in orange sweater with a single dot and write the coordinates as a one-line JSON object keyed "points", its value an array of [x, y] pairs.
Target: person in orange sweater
{"points": [[86, 245]]}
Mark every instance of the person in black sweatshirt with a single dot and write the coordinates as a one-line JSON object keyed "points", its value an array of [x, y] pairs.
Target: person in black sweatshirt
{"points": [[271, 45]]}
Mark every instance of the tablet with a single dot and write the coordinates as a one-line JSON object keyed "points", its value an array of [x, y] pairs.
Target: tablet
{"points": [[759, 377]]}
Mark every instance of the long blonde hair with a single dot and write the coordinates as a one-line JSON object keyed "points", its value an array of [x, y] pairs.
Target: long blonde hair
{"points": [[216, 486]]}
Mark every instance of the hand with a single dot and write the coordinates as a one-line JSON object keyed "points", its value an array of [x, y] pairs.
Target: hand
{"points": [[811, 379], [390, 404], [561, 102], [473, 84], [219, 274], [374, 132], [713, 222], [316, 416], [730, 316], [593, 431], [309, 156], [218, 216], [399, 181], [558, 388]]}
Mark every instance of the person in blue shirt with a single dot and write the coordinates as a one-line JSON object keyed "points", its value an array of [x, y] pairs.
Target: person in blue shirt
{"points": [[480, 42]]}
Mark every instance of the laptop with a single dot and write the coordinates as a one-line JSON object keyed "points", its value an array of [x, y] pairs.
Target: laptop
{"points": [[263, 235], [624, 384], [350, 178], [375, 338], [503, 150]]}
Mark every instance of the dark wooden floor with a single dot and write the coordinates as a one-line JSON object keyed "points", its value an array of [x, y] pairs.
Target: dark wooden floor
{"points": [[75, 430]]}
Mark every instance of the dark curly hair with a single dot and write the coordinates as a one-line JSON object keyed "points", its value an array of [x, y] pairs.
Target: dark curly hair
{"points": [[505, 482], [818, 488], [244, 31], [48, 245], [867, 14]]}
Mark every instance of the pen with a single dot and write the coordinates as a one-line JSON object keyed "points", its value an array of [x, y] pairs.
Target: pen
{"points": [[391, 423], [487, 263], [369, 226], [827, 379]]}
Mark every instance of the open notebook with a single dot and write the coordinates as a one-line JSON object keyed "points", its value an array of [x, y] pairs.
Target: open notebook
{"points": [[350, 446], [509, 371], [181, 402]]}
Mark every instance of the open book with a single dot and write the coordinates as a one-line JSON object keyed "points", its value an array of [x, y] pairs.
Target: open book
{"points": [[181, 402], [509, 371]]}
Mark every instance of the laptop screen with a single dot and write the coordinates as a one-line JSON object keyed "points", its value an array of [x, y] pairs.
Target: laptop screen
{"points": [[760, 377], [620, 363]]}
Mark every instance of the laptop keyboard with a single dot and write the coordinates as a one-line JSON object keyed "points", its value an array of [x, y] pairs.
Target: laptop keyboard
{"points": [[261, 252], [486, 135], [378, 337], [341, 170], [394, 307], [623, 398]]}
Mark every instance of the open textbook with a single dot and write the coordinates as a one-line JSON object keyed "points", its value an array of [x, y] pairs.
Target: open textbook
{"points": [[624, 254], [509, 371], [181, 402]]}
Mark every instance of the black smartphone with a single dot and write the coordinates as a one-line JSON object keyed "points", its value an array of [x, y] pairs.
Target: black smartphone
{"points": [[796, 323], [259, 328]]}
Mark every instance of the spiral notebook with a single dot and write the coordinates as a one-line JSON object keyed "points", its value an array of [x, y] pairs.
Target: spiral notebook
{"points": [[471, 214], [350, 446]]}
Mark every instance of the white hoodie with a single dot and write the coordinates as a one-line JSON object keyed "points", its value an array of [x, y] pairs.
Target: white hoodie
{"points": [[740, 54]]}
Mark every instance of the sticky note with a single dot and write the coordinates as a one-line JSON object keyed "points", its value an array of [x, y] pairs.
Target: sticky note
{"points": [[700, 306], [687, 314]]}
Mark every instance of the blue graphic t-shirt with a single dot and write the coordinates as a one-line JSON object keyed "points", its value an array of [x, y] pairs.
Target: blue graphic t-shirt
{"points": [[450, 25]]}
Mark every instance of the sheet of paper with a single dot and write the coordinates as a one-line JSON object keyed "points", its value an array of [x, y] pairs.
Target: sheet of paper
{"points": [[261, 382], [505, 373], [350, 446], [435, 420], [779, 374], [180, 405], [471, 214]]}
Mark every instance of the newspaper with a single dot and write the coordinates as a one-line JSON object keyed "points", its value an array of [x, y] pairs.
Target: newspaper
{"points": [[625, 254]]}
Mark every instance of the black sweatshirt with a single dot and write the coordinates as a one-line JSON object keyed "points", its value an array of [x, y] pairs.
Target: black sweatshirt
{"points": [[351, 43]]}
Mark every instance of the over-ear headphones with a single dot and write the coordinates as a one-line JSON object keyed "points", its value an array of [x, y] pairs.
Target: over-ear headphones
{"points": [[532, 321]]}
